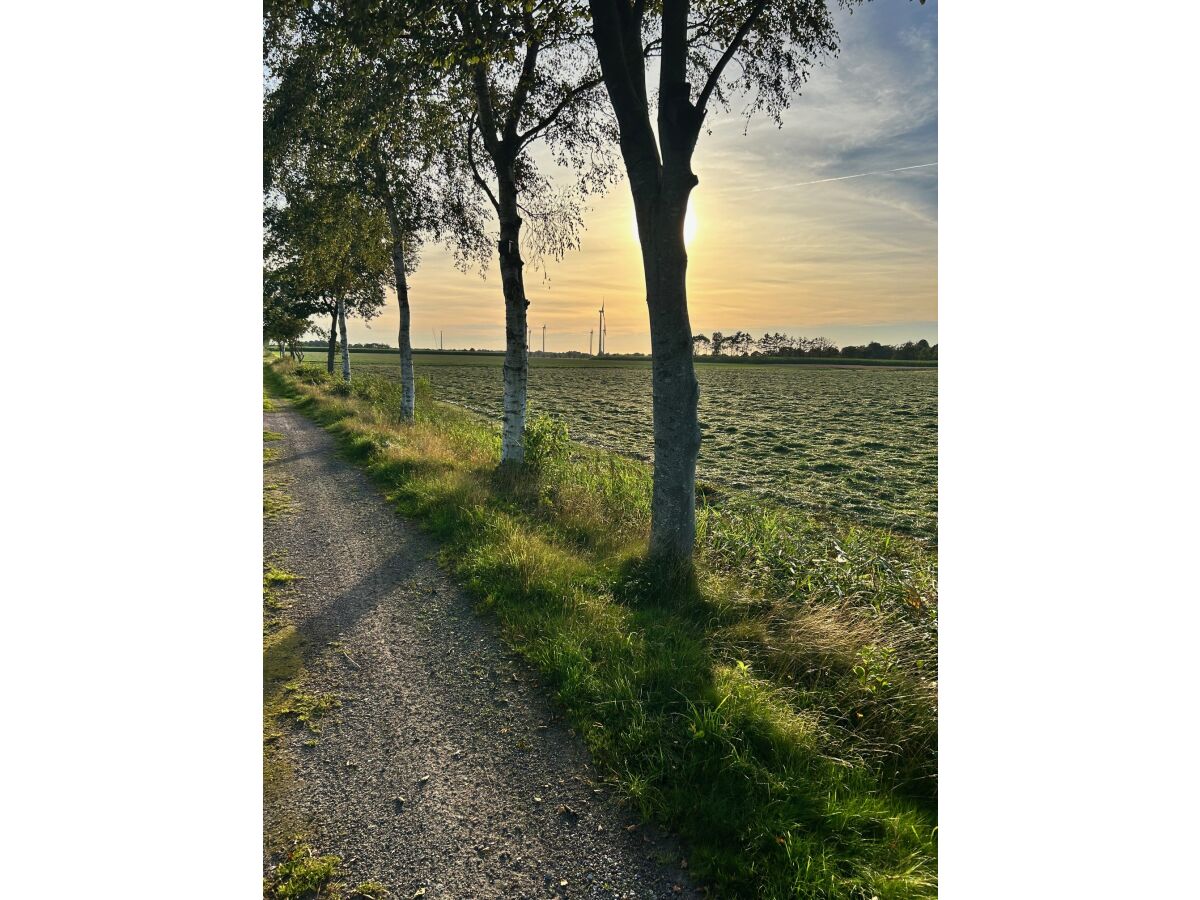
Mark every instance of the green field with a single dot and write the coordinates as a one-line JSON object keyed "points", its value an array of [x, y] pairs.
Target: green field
{"points": [[856, 443]]}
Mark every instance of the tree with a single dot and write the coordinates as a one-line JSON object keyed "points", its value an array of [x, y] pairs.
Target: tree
{"points": [[328, 247], [772, 344], [700, 344], [822, 346], [525, 70], [774, 45], [349, 89], [742, 342], [285, 314]]}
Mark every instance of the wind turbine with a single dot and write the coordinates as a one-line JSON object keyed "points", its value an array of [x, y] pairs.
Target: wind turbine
{"points": [[600, 349], [543, 339]]}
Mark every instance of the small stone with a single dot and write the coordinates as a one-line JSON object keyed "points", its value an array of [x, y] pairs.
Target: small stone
{"points": [[563, 810]]}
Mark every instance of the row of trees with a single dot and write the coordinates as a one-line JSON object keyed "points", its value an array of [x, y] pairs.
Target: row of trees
{"points": [[394, 123], [741, 343]]}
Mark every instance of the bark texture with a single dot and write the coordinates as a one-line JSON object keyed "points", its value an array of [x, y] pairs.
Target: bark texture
{"points": [[676, 390], [332, 340], [345, 345], [516, 348], [408, 384], [408, 387]]}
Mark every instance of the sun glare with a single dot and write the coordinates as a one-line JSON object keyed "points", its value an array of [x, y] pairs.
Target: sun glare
{"points": [[690, 225]]}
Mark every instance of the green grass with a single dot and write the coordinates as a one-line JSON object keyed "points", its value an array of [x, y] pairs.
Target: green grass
{"points": [[778, 710], [275, 497], [303, 875]]}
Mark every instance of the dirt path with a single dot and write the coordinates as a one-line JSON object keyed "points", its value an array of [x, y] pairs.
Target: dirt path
{"points": [[499, 798]]}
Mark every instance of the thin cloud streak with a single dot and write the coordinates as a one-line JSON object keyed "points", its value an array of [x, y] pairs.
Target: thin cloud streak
{"points": [[843, 177]]}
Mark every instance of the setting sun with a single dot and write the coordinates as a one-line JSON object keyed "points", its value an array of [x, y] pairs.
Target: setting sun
{"points": [[690, 225]]}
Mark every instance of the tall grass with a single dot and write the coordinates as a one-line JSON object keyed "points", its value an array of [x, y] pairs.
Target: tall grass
{"points": [[778, 710]]}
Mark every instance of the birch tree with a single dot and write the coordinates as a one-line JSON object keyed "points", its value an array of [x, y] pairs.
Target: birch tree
{"points": [[527, 71], [348, 89], [329, 245], [710, 51]]}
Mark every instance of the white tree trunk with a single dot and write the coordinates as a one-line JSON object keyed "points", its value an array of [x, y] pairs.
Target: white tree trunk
{"points": [[516, 351], [345, 345]]}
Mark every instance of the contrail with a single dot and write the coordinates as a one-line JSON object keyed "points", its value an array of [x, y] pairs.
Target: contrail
{"points": [[844, 177]]}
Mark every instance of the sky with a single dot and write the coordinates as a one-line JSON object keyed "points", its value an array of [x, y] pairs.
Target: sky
{"points": [[783, 241]]}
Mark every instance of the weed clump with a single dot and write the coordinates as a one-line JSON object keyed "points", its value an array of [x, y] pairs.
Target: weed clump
{"points": [[308, 709], [547, 442], [303, 875]]}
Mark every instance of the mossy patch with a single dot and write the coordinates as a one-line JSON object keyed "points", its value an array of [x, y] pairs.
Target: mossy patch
{"points": [[304, 875], [307, 709], [276, 499], [270, 453]]}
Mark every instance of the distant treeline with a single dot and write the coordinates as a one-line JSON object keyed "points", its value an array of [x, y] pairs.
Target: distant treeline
{"points": [[737, 347], [741, 343], [324, 345]]}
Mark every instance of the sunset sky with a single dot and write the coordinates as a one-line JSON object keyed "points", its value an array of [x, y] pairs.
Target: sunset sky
{"points": [[784, 240]]}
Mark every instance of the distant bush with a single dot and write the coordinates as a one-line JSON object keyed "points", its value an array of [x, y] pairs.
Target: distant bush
{"points": [[311, 373]]}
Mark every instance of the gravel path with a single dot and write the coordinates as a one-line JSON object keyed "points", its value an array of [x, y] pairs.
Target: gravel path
{"points": [[447, 766]]}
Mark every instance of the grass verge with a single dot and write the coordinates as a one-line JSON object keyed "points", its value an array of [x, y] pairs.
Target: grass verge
{"points": [[778, 711]]}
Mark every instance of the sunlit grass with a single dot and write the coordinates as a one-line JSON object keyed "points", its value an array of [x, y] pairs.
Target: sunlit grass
{"points": [[778, 710]]}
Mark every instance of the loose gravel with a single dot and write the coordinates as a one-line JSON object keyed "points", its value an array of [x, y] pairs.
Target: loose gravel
{"points": [[447, 767]]}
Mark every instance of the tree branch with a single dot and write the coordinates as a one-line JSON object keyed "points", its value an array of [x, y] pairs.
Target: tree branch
{"points": [[469, 22], [626, 91], [525, 81], [715, 75], [479, 180], [548, 119]]}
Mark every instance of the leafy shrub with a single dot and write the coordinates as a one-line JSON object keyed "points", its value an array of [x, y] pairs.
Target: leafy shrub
{"points": [[547, 442], [311, 373], [424, 390]]}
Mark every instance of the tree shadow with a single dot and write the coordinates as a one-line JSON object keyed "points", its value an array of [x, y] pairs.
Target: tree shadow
{"points": [[295, 647]]}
